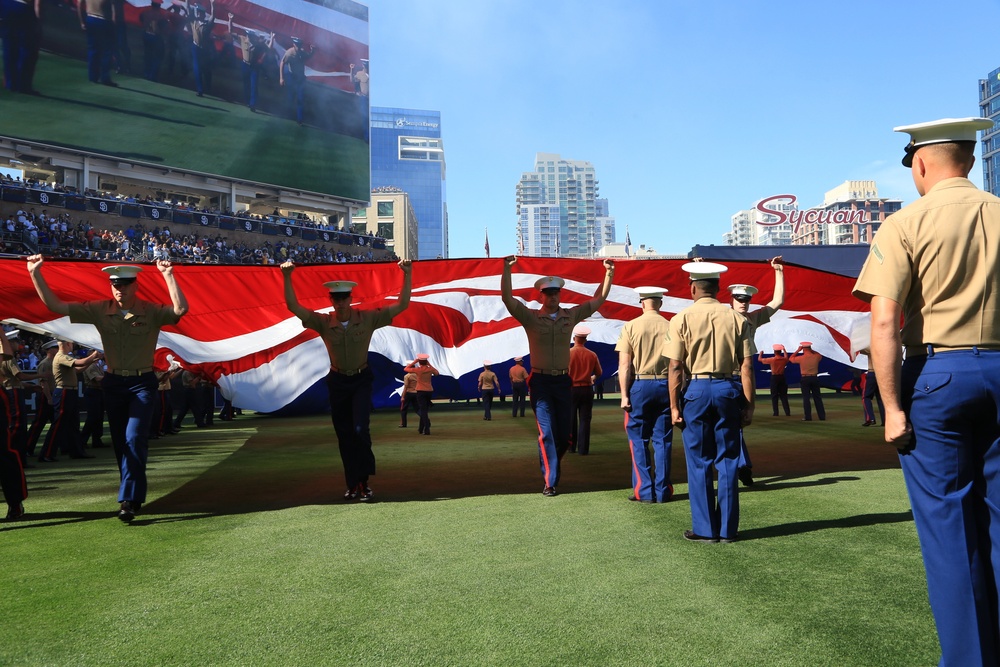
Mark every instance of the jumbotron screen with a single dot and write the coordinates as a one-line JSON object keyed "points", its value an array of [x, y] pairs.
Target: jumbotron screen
{"points": [[272, 91]]}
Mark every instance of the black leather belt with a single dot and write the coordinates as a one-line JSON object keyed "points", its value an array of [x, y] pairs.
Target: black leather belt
{"points": [[550, 371], [129, 373], [350, 372]]}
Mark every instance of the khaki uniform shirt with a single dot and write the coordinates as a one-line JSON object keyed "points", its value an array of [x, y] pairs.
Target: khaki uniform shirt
{"points": [[410, 383], [757, 319], [45, 379], [645, 338], [9, 370], [348, 346], [64, 371], [709, 337], [129, 340], [808, 361], [548, 337], [92, 376], [518, 374], [939, 258], [487, 380], [583, 364]]}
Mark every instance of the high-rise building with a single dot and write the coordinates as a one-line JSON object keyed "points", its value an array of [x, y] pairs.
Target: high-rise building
{"points": [[407, 153], [989, 107], [571, 188], [391, 217], [851, 213], [605, 224]]}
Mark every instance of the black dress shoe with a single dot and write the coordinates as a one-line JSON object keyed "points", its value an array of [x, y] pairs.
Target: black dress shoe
{"points": [[746, 475], [549, 492], [15, 512], [126, 512], [639, 500], [691, 536]]}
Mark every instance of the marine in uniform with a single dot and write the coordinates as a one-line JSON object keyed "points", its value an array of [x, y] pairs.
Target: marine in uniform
{"points": [[710, 345], [347, 332], [518, 386], [935, 264], [97, 19], [12, 481], [548, 331], [642, 378], [43, 396], [422, 368], [488, 384], [870, 395], [202, 45], [21, 33], [14, 390], [584, 369], [129, 328], [742, 295], [64, 434], [93, 401], [808, 360], [778, 385], [292, 75], [408, 398]]}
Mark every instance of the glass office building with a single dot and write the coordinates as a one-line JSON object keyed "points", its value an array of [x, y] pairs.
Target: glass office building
{"points": [[989, 107], [408, 154]]}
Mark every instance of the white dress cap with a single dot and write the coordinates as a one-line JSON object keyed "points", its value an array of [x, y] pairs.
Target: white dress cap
{"points": [[340, 286], [549, 282], [704, 270], [946, 130], [743, 290], [581, 331], [122, 272], [650, 292]]}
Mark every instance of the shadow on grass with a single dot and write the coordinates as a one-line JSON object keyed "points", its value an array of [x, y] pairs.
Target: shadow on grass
{"points": [[800, 527]]}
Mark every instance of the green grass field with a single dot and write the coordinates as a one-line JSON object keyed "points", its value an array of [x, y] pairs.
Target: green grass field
{"points": [[168, 126], [245, 554]]}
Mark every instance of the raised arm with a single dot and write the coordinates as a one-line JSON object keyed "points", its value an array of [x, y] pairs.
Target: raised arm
{"points": [[177, 297], [506, 289], [749, 393], [601, 295], [6, 349], [406, 266], [48, 297], [292, 301], [779, 284]]}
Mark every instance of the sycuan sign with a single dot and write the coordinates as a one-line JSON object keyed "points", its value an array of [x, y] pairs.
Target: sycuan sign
{"points": [[809, 216]]}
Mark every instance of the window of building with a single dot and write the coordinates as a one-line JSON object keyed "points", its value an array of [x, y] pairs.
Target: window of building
{"points": [[359, 228], [384, 209], [385, 230], [360, 213]]}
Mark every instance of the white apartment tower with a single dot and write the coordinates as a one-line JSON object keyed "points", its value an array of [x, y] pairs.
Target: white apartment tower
{"points": [[557, 209]]}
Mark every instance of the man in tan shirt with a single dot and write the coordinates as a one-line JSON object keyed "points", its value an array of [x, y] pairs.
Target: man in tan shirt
{"points": [[347, 332], [584, 369], [642, 378], [129, 328], [12, 481], [936, 265], [710, 344], [487, 387], [518, 386], [43, 396], [64, 434], [407, 397], [548, 331], [808, 360]]}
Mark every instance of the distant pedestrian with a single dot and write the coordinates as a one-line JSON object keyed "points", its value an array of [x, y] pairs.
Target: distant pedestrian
{"points": [[488, 385]]}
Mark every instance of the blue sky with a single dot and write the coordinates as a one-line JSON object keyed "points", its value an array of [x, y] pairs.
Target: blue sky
{"points": [[689, 111]]}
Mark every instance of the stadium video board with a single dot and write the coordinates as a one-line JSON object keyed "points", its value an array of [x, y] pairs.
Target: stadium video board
{"points": [[266, 91]]}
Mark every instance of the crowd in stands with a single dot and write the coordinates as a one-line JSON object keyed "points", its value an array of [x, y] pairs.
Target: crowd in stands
{"points": [[57, 235]]}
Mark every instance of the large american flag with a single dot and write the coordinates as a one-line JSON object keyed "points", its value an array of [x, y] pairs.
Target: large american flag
{"points": [[239, 331]]}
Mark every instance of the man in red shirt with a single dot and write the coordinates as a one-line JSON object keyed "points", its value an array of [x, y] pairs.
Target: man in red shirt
{"points": [[779, 386], [808, 361], [584, 369]]}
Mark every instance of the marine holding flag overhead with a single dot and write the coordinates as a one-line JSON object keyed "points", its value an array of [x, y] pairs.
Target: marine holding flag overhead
{"points": [[936, 263], [548, 330], [129, 328], [347, 333]]}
